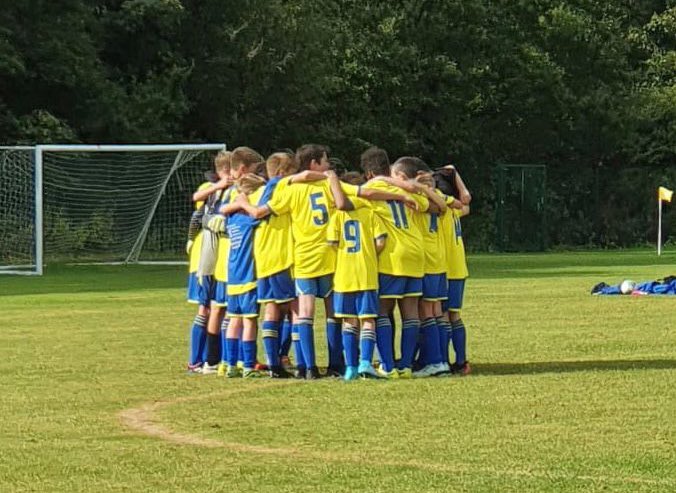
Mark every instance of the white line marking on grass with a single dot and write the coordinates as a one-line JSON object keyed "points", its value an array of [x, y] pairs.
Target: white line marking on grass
{"points": [[144, 420]]}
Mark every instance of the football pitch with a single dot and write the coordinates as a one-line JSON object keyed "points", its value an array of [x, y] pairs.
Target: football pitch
{"points": [[569, 392]]}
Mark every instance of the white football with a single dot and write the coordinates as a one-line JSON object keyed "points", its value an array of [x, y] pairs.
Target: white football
{"points": [[627, 287]]}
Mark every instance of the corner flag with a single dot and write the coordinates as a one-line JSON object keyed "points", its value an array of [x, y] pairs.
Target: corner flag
{"points": [[663, 195]]}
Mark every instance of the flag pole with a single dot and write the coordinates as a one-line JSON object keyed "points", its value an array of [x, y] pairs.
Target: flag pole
{"points": [[659, 226]]}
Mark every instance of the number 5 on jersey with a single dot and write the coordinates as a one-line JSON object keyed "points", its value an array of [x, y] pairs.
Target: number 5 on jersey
{"points": [[318, 207]]}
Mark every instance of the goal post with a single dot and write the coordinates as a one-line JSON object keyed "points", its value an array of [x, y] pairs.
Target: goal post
{"points": [[96, 203]]}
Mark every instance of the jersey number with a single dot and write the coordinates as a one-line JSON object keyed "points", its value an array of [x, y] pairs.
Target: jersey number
{"points": [[352, 235], [398, 210], [320, 208], [458, 229]]}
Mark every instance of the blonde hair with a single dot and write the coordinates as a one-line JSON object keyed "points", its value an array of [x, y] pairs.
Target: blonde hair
{"points": [[281, 164], [247, 157], [353, 178], [249, 183], [222, 161]]}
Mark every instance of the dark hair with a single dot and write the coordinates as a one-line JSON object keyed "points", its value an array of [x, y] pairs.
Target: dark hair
{"points": [[353, 178], [410, 166], [444, 178], [375, 162], [305, 154]]}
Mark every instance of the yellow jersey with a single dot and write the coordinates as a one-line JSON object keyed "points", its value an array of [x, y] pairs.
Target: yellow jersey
{"points": [[455, 248], [435, 244], [221, 269], [403, 254], [354, 233], [310, 206], [196, 249], [273, 241]]}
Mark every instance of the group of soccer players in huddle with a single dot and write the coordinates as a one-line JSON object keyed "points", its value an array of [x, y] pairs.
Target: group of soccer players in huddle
{"points": [[270, 236]]}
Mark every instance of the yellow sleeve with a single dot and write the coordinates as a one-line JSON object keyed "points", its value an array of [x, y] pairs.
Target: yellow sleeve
{"points": [[422, 201], [378, 226], [358, 202], [448, 198], [350, 190], [333, 230], [280, 203], [203, 186]]}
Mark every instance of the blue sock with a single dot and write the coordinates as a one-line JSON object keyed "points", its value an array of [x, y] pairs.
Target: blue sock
{"points": [[297, 347], [409, 338], [240, 355], [444, 338], [430, 333], [351, 344], [384, 341], [459, 340], [367, 344], [224, 332], [420, 350], [198, 340], [249, 351], [271, 341], [335, 343], [285, 338], [307, 341], [232, 351]]}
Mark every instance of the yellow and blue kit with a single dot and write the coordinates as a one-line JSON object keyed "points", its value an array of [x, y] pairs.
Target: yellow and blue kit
{"points": [[456, 263], [242, 300], [355, 280], [273, 249], [401, 264], [435, 284]]}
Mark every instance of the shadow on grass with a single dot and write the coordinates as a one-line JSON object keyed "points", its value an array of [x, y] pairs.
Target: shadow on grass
{"points": [[572, 366]]}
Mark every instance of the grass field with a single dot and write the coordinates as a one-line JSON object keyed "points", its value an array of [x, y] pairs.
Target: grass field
{"points": [[570, 392]]}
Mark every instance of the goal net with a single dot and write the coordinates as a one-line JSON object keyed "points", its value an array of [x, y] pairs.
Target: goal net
{"points": [[86, 203]]}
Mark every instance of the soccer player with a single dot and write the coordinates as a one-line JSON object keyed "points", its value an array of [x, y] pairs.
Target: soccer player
{"points": [[402, 262], [242, 300], [449, 182], [243, 160], [273, 252], [359, 235], [435, 288], [203, 257]]}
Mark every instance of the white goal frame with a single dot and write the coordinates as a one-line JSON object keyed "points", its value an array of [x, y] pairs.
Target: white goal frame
{"points": [[38, 152]]}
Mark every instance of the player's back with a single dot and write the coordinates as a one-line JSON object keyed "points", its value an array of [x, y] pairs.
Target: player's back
{"points": [[455, 249], [273, 244], [434, 241], [241, 269], [403, 254], [354, 233], [310, 206]]}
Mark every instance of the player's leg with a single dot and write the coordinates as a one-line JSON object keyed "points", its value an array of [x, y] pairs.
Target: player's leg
{"points": [[336, 366], [198, 338], [307, 292], [285, 338], [351, 345], [430, 351], [301, 367], [232, 343], [458, 334], [409, 331], [249, 330], [384, 337], [213, 340]]}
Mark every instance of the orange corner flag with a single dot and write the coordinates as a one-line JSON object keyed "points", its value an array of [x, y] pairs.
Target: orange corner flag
{"points": [[664, 194]]}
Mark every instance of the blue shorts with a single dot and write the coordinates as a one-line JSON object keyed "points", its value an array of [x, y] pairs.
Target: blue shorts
{"points": [[243, 305], [399, 286], [220, 297], [358, 304], [277, 288], [456, 291], [200, 293], [318, 286], [435, 287]]}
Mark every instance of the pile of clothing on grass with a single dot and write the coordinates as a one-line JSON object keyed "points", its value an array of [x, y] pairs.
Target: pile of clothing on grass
{"points": [[661, 286]]}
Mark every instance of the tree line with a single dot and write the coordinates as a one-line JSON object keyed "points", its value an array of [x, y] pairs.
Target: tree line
{"points": [[586, 87]]}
